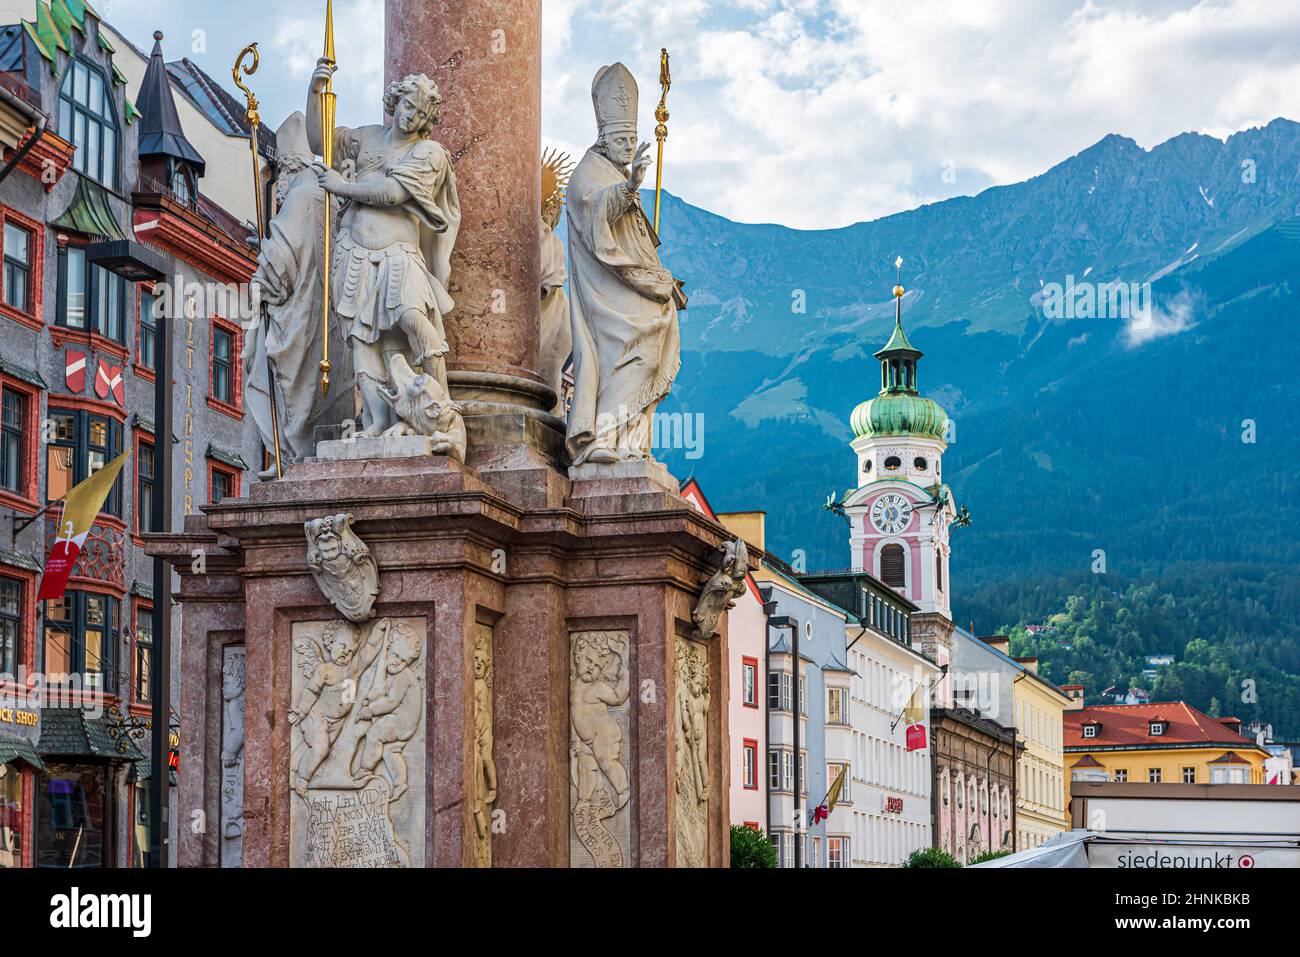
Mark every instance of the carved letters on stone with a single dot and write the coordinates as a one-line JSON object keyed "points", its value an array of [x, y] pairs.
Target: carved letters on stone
{"points": [[726, 584], [342, 566], [357, 764], [485, 769], [232, 756], [692, 754], [599, 749]]}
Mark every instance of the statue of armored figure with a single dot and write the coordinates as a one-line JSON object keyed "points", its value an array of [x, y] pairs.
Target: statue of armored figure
{"points": [[399, 214], [623, 302]]}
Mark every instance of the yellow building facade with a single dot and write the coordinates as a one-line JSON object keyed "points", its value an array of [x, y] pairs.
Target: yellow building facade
{"points": [[1041, 782]]}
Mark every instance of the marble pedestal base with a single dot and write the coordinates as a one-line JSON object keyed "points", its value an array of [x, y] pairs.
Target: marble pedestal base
{"points": [[577, 596]]}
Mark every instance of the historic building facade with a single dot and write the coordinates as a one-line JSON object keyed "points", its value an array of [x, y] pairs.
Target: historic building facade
{"points": [[1167, 742], [105, 210]]}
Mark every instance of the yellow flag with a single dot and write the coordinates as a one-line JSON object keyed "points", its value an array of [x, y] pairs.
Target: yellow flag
{"points": [[80, 509], [914, 713], [833, 796]]}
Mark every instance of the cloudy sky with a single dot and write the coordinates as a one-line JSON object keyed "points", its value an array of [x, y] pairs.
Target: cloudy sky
{"points": [[819, 113]]}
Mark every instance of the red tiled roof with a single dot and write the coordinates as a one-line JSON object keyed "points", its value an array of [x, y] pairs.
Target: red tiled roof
{"points": [[1126, 725], [1087, 761]]}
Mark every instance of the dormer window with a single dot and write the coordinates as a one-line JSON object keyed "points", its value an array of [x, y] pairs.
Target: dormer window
{"points": [[1157, 727], [1089, 730], [182, 184]]}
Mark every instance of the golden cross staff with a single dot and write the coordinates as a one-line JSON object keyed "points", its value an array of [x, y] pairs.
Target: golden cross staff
{"points": [[254, 120], [661, 131], [327, 155]]}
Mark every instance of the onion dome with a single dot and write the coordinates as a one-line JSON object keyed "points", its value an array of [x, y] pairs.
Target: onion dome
{"points": [[899, 410]]}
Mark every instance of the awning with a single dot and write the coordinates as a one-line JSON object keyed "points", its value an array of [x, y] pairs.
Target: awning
{"points": [[90, 212], [19, 560], [133, 261], [30, 376], [1067, 849], [17, 751], [72, 732], [233, 459]]}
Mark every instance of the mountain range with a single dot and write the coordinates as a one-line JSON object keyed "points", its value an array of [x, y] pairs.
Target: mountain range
{"points": [[1159, 437]]}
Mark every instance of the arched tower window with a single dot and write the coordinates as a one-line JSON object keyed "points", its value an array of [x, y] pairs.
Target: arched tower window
{"points": [[891, 565], [88, 121], [938, 570]]}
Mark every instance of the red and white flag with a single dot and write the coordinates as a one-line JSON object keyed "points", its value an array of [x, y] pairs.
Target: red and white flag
{"points": [[108, 379], [74, 370]]}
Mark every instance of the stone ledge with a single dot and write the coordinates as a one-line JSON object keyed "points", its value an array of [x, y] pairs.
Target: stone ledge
{"points": [[374, 447]]}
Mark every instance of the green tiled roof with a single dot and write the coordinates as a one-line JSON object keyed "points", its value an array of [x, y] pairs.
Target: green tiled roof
{"points": [[65, 21], [18, 560], [232, 459], [141, 422], [30, 376], [89, 212], [47, 29], [897, 342], [119, 76], [17, 750], [132, 114], [72, 732], [143, 589]]}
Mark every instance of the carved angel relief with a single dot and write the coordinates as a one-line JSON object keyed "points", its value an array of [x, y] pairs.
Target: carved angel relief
{"points": [[599, 688], [357, 761], [726, 584], [342, 566], [485, 768]]}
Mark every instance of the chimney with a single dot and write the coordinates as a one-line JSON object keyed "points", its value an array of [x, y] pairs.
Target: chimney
{"points": [[1000, 643], [1030, 662], [746, 525], [1075, 694]]}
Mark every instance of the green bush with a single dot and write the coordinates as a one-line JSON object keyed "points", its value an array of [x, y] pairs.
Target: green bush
{"points": [[751, 848], [989, 856], [931, 857]]}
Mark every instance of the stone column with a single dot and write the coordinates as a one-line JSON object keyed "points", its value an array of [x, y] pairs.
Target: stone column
{"points": [[485, 56]]}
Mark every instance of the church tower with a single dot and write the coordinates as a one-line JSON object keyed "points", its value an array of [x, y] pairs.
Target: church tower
{"points": [[901, 511]]}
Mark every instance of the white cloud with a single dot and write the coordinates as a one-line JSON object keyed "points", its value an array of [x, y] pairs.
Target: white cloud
{"points": [[1157, 322]]}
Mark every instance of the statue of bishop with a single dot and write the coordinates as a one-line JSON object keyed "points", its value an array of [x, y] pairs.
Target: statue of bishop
{"points": [[623, 302]]}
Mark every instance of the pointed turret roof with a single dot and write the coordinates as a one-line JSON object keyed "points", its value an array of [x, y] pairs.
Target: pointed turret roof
{"points": [[898, 343], [160, 125]]}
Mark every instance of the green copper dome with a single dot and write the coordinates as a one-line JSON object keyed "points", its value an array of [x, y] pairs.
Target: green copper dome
{"points": [[899, 409], [899, 413]]}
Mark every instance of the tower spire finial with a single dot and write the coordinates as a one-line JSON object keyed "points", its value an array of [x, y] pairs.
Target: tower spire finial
{"points": [[898, 293]]}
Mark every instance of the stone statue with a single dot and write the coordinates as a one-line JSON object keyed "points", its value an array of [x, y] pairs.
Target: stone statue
{"points": [[623, 303], [599, 687], [556, 339], [342, 566], [692, 754], [288, 282], [398, 220], [422, 407], [726, 584], [485, 768]]}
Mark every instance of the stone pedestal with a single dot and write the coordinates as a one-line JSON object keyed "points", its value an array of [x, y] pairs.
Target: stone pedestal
{"points": [[553, 619]]}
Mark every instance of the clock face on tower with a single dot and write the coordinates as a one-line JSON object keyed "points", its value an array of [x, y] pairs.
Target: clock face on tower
{"points": [[891, 513]]}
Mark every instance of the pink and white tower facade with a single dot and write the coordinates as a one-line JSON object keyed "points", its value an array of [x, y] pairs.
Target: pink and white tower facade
{"points": [[901, 512]]}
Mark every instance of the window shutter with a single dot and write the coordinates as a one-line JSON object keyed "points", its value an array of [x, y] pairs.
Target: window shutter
{"points": [[891, 565]]}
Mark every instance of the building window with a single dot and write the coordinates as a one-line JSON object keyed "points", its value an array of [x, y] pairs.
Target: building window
{"points": [[749, 757], [893, 463], [920, 464], [778, 691], [13, 441], [11, 624], [892, 571], [18, 249], [11, 817], [938, 570], [749, 682], [1121, 775], [87, 120], [1229, 776], [1189, 775], [182, 183], [74, 816], [837, 706], [81, 633], [1153, 775], [833, 772], [1157, 728], [223, 483], [84, 284], [224, 368], [803, 695], [144, 479], [222, 348], [780, 770], [143, 670], [146, 352], [82, 443]]}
